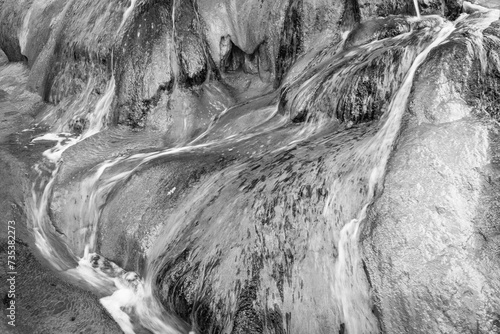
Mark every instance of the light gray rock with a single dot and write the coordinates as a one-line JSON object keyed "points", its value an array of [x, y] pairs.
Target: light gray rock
{"points": [[432, 238]]}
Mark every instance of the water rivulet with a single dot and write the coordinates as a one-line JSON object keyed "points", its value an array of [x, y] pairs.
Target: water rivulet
{"points": [[282, 190]]}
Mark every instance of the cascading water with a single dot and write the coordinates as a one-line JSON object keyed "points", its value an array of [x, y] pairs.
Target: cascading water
{"points": [[131, 300], [41, 226], [98, 119], [417, 9], [41, 190], [127, 13]]}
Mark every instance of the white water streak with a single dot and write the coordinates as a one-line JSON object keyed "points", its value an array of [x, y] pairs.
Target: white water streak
{"points": [[127, 13], [98, 119], [23, 33], [40, 223], [417, 9]]}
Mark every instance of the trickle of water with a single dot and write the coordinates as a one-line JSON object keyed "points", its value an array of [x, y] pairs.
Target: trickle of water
{"points": [[98, 119], [23, 33], [127, 13], [417, 9]]}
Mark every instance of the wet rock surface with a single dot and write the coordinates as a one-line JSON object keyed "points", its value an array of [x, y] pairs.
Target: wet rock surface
{"points": [[432, 239]]}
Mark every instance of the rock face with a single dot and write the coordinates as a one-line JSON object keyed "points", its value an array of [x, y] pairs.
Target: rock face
{"points": [[161, 48], [432, 239]]}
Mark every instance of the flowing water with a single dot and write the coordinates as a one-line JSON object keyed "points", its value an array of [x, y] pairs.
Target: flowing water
{"points": [[417, 9], [127, 13], [354, 157]]}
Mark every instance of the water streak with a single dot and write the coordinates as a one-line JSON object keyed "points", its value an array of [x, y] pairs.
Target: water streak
{"points": [[23, 33], [127, 13], [417, 9]]}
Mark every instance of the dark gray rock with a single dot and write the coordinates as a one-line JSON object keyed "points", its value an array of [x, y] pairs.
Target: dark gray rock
{"points": [[156, 55]]}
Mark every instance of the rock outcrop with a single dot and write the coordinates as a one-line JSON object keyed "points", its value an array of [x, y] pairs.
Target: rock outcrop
{"points": [[432, 239]]}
